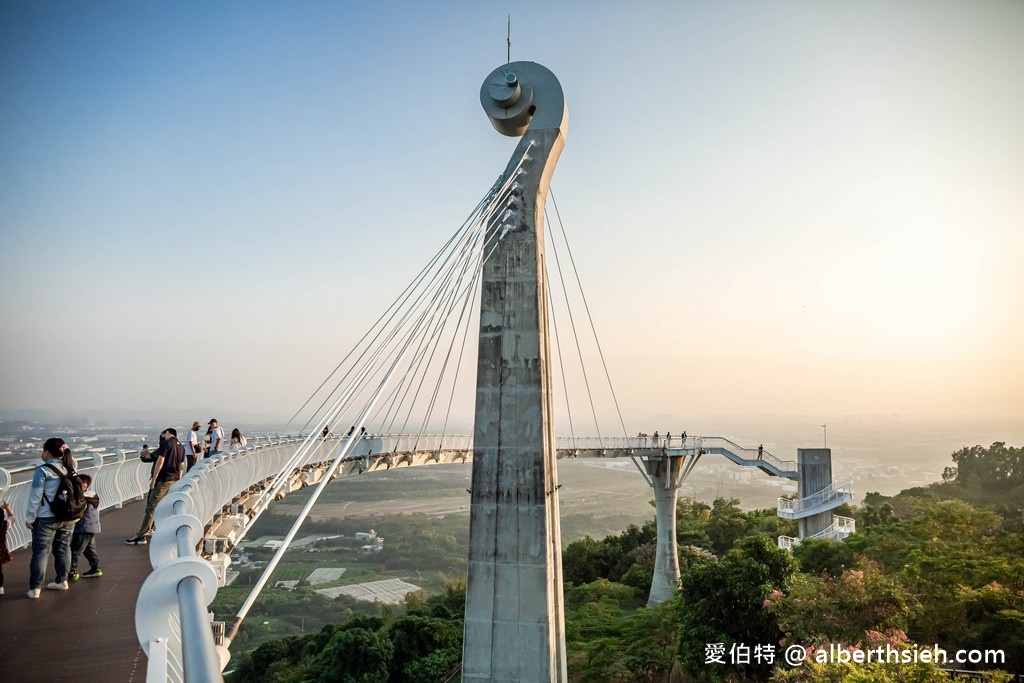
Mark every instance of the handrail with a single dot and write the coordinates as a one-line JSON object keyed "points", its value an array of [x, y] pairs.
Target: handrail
{"points": [[118, 478], [171, 617], [823, 497], [765, 456], [178, 627]]}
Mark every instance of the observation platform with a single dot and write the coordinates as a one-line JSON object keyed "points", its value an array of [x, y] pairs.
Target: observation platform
{"points": [[85, 634]]}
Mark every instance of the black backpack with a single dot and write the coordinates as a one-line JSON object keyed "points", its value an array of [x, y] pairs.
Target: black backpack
{"points": [[68, 503]]}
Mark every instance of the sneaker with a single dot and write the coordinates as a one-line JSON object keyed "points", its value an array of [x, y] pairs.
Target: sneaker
{"points": [[54, 586], [137, 540], [93, 574], [73, 576], [33, 593]]}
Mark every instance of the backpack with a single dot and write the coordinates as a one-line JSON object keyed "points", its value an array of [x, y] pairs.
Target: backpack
{"points": [[68, 503]]}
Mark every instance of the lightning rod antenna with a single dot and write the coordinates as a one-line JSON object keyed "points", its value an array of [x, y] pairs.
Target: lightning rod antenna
{"points": [[508, 41]]}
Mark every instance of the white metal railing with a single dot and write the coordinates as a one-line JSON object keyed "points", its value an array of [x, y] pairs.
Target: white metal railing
{"points": [[840, 528], [695, 443], [748, 454], [828, 496], [117, 478], [788, 542], [170, 616]]}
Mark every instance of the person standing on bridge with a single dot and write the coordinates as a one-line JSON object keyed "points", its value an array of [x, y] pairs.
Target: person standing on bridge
{"points": [[168, 468], [6, 521], [216, 437], [237, 440], [760, 451], [49, 534], [192, 445], [83, 540]]}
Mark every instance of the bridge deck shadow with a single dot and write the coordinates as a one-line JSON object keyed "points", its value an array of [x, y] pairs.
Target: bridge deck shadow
{"points": [[87, 633]]}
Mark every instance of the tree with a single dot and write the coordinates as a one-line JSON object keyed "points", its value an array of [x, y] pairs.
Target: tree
{"points": [[723, 601], [650, 642], [584, 561], [415, 637], [993, 616], [818, 610], [356, 655], [823, 555], [726, 524]]}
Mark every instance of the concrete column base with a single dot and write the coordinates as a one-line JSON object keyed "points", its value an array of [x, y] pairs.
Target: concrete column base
{"points": [[666, 474]]}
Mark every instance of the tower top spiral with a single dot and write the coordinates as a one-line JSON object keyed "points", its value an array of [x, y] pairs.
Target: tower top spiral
{"points": [[524, 95]]}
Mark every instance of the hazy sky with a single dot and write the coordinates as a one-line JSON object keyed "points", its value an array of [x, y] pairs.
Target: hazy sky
{"points": [[786, 207]]}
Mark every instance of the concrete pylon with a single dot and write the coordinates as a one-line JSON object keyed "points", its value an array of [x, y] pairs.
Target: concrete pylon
{"points": [[514, 628], [666, 476]]}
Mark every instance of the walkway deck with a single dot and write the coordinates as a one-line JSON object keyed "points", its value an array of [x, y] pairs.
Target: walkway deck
{"points": [[86, 634]]}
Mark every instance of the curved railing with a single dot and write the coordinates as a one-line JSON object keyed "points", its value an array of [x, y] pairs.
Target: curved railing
{"points": [[117, 478], [171, 616], [826, 499], [788, 542], [840, 528]]}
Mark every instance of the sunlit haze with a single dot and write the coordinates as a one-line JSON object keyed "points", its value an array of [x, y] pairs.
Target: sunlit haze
{"points": [[775, 208]]}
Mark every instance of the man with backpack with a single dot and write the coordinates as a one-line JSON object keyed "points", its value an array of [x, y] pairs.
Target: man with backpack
{"points": [[55, 501], [168, 467]]}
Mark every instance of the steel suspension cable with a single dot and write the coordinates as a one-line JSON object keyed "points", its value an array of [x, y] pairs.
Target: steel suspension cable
{"points": [[561, 358], [397, 301], [247, 605], [497, 194], [586, 306], [494, 237], [572, 324]]}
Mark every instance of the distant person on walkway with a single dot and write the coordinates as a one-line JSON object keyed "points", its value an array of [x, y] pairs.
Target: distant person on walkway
{"points": [[760, 451], [668, 439], [192, 448], [83, 541], [216, 437], [48, 534], [683, 437], [327, 431], [655, 439], [6, 522], [237, 440], [167, 469], [206, 442]]}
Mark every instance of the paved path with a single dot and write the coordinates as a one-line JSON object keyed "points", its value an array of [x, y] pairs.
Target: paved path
{"points": [[85, 634]]}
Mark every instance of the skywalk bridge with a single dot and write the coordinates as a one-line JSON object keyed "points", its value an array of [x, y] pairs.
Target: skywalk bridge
{"points": [[489, 283], [210, 511]]}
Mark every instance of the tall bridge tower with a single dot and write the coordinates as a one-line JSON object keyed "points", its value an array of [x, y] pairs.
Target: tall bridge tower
{"points": [[515, 628]]}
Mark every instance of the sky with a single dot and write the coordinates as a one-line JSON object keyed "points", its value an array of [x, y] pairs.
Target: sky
{"points": [[805, 208]]}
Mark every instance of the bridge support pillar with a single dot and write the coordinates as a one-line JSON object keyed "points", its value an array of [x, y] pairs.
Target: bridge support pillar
{"points": [[514, 627], [666, 475], [814, 474]]}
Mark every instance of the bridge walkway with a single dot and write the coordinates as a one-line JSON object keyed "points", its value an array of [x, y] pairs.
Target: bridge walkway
{"points": [[86, 634], [90, 629]]}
